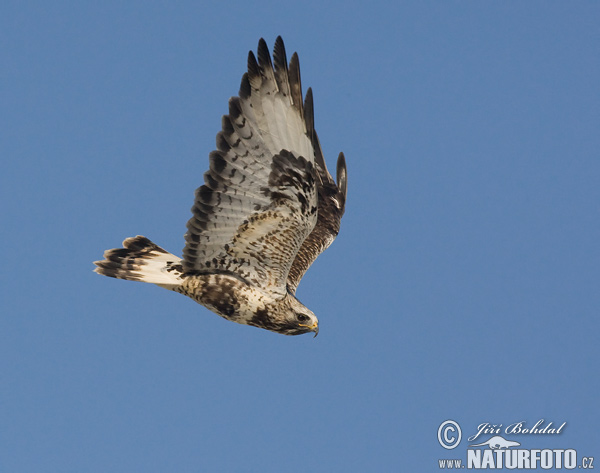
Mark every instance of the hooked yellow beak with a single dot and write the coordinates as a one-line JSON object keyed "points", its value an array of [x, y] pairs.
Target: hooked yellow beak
{"points": [[314, 327]]}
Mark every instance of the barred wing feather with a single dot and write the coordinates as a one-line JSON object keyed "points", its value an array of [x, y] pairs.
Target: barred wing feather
{"points": [[259, 200]]}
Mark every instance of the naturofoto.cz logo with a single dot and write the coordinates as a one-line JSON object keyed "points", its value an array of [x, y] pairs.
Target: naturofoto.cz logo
{"points": [[494, 450]]}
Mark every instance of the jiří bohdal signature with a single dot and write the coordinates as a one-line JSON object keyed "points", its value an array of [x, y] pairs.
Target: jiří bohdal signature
{"points": [[518, 428]]}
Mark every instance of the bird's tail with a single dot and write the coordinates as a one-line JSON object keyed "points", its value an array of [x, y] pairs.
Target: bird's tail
{"points": [[141, 260]]}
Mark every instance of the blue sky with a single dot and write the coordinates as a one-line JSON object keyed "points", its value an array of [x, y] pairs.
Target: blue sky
{"points": [[464, 284]]}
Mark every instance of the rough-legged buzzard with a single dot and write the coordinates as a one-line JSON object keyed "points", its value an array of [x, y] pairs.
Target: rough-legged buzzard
{"points": [[267, 209]]}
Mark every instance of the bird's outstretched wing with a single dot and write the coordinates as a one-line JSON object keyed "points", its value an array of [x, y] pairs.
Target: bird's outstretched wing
{"points": [[260, 198], [332, 202]]}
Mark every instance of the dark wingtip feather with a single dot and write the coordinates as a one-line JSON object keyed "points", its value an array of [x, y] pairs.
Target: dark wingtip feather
{"points": [[253, 69], [342, 176], [309, 113], [280, 66], [279, 56], [222, 144], [295, 82], [264, 57], [227, 126], [235, 108], [245, 89]]}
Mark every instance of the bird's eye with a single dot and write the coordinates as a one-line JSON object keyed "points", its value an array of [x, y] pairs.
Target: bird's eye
{"points": [[302, 317]]}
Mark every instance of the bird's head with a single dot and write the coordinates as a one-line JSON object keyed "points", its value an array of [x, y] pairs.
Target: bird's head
{"points": [[299, 318], [303, 321], [287, 316]]}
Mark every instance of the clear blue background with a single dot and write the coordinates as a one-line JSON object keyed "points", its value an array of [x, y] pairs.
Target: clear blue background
{"points": [[464, 284]]}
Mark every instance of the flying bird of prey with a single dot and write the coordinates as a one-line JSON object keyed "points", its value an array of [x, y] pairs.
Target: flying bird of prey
{"points": [[268, 207]]}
